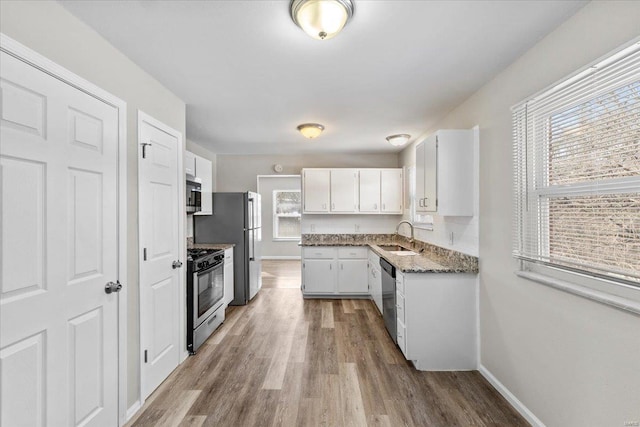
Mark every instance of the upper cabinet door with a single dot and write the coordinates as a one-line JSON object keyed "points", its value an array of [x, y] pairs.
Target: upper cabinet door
{"points": [[430, 174], [391, 191], [344, 190], [189, 163], [316, 184], [204, 171], [370, 190], [419, 201]]}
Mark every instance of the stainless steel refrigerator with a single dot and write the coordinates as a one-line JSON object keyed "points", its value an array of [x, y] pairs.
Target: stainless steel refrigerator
{"points": [[236, 219]]}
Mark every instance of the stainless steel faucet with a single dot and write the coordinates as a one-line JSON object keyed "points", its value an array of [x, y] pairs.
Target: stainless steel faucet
{"points": [[410, 225]]}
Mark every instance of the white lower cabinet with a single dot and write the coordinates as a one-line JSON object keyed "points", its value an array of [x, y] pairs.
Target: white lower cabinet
{"points": [[334, 271], [319, 276], [436, 320], [375, 280], [352, 276], [228, 276]]}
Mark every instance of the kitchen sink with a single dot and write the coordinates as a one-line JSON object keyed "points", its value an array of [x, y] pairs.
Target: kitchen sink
{"points": [[398, 250], [395, 248]]}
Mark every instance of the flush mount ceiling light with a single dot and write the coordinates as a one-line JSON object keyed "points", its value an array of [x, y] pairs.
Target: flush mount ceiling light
{"points": [[321, 19], [398, 140], [310, 130]]}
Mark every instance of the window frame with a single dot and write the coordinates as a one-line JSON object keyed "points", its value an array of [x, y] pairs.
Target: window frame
{"points": [[275, 237], [617, 292]]}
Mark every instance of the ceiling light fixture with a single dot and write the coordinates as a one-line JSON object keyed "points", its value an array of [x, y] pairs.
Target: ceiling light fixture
{"points": [[398, 140], [321, 19], [310, 130]]}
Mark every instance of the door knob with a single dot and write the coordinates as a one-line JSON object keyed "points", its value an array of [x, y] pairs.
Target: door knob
{"points": [[112, 287], [176, 264]]}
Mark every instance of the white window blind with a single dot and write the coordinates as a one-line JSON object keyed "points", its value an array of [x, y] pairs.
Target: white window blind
{"points": [[577, 172]]}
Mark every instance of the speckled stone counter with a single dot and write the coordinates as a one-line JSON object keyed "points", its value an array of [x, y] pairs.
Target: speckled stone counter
{"points": [[191, 245], [430, 258]]}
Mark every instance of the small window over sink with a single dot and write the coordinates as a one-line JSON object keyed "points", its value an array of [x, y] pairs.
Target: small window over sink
{"points": [[287, 209]]}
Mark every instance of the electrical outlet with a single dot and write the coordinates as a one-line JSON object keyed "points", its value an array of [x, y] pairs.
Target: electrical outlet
{"points": [[357, 227], [313, 228]]}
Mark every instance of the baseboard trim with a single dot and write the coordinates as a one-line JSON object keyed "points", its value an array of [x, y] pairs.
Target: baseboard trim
{"points": [[281, 257], [133, 410], [511, 398]]}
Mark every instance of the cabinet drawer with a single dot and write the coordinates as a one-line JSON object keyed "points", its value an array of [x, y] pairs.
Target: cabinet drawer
{"points": [[400, 282], [400, 306], [319, 253], [402, 338], [353, 252]]}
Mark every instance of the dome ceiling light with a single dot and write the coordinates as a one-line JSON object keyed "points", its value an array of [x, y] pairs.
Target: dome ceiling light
{"points": [[398, 140], [310, 130], [321, 19]]}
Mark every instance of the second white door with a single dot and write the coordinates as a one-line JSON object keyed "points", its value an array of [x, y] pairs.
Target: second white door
{"points": [[161, 277]]}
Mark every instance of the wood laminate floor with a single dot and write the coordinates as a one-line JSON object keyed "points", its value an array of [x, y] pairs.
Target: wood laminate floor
{"points": [[286, 361]]}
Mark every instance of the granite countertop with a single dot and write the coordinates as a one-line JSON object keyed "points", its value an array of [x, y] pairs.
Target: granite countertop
{"points": [[212, 246], [191, 245], [430, 258]]}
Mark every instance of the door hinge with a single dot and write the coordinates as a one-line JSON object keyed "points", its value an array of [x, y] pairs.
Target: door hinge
{"points": [[144, 149], [145, 356], [144, 254]]}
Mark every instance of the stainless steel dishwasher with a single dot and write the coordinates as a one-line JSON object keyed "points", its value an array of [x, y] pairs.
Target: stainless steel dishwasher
{"points": [[389, 298]]}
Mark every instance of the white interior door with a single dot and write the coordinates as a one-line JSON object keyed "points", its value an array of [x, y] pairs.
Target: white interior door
{"points": [[58, 327], [161, 298]]}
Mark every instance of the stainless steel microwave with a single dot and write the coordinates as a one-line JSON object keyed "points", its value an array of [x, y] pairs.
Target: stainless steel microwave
{"points": [[194, 194]]}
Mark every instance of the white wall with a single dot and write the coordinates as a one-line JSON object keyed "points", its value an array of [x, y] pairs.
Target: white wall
{"points": [[349, 224], [276, 248], [239, 172], [47, 28], [571, 361]]}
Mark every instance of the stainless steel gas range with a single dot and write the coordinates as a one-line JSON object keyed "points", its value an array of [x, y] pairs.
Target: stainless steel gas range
{"points": [[205, 295]]}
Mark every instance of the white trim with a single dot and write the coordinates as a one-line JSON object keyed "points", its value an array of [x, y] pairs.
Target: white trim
{"points": [[182, 249], [292, 257], [29, 56], [614, 301], [133, 410], [511, 398], [277, 176]]}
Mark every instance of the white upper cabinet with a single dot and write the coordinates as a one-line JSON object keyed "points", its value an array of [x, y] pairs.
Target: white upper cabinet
{"points": [[352, 191], [344, 190], [370, 190], [391, 191], [189, 163], [444, 173], [316, 184], [204, 171]]}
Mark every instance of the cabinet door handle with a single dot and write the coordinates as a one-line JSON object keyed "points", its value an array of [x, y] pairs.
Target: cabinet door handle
{"points": [[324, 206], [330, 267], [375, 206], [333, 206], [341, 266], [426, 202], [383, 206]]}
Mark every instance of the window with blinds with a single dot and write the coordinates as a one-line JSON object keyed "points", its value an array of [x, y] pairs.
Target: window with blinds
{"points": [[577, 172]]}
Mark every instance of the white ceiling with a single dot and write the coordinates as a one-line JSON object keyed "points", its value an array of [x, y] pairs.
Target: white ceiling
{"points": [[249, 75]]}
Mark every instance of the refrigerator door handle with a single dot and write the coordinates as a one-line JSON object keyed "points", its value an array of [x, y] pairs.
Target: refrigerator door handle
{"points": [[250, 213], [253, 246]]}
